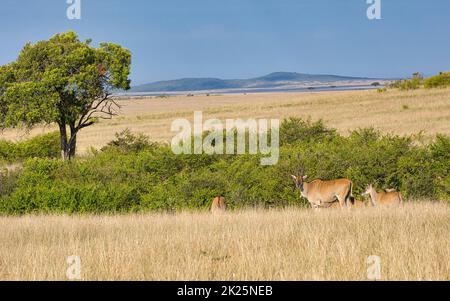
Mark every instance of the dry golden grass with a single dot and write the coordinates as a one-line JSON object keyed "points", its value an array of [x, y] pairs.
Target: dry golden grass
{"points": [[413, 243], [394, 111]]}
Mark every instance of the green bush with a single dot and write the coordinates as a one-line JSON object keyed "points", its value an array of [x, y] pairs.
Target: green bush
{"points": [[7, 150], [411, 84], [294, 130], [441, 80], [151, 178], [8, 181], [406, 84], [43, 146], [126, 141]]}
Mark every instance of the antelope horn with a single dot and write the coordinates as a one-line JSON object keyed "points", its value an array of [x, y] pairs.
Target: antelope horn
{"points": [[301, 168]]}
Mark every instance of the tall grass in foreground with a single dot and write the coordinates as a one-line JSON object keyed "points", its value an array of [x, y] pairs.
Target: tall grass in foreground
{"points": [[413, 243]]}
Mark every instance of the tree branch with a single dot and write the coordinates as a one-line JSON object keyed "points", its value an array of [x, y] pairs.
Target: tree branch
{"points": [[103, 108]]}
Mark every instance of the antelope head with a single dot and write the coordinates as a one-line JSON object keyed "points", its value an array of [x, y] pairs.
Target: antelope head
{"points": [[368, 190], [299, 180]]}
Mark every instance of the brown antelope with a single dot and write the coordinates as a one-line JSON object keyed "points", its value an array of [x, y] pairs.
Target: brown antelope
{"points": [[323, 193], [218, 205], [359, 204], [354, 204], [333, 205], [383, 198]]}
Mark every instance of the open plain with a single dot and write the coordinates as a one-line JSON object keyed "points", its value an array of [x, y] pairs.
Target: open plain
{"points": [[399, 112]]}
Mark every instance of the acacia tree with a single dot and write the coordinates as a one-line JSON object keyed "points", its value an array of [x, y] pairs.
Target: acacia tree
{"points": [[63, 81]]}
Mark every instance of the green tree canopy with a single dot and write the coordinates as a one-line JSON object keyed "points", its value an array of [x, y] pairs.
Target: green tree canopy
{"points": [[63, 81]]}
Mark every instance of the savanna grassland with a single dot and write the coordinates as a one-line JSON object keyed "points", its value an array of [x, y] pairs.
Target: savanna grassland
{"points": [[287, 243], [291, 244], [394, 111]]}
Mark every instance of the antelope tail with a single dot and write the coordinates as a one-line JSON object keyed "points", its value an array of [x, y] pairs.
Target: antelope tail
{"points": [[350, 198], [351, 190]]}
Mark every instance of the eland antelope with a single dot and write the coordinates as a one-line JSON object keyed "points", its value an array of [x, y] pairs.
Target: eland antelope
{"points": [[321, 193], [383, 198], [359, 204], [354, 204], [218, 205]]}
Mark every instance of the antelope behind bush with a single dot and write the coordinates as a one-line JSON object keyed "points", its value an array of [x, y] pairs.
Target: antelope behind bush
{"points": [[383, 198], [218, 205]]}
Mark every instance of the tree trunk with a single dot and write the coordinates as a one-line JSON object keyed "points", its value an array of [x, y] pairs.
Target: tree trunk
{"points": [[68, 145], [73, 141], [63, 139]]}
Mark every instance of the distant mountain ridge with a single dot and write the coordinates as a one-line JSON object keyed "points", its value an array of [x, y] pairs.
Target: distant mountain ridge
{"points": [[272, 80]]}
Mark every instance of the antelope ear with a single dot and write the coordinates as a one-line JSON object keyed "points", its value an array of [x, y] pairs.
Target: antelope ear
{"points": [[305, 177], [294, 177]]}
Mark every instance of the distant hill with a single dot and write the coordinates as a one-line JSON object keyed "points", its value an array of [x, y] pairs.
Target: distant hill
{"points": [[273, 80]]}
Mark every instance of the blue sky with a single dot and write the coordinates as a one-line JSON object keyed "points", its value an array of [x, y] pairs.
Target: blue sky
{"points": [[246, 38]]}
